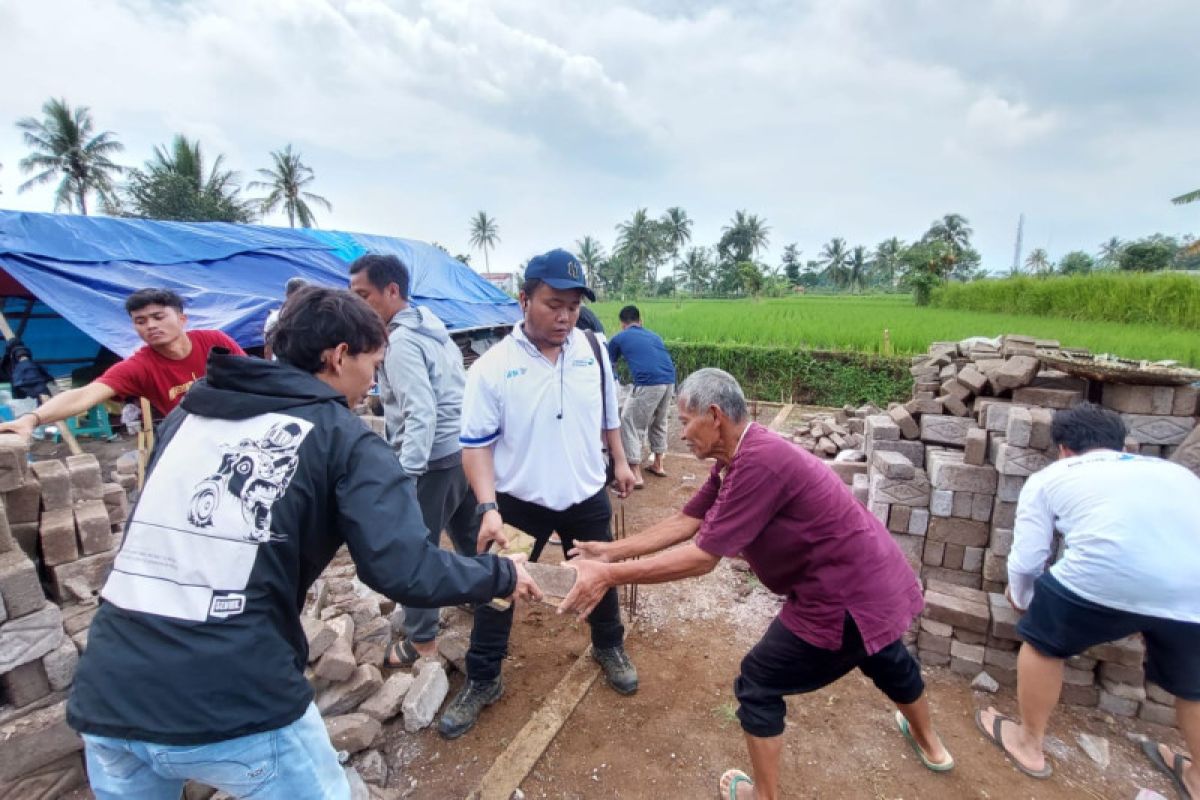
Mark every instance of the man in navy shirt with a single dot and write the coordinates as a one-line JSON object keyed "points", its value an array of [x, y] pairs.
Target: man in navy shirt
{"points": [[653, 385]]}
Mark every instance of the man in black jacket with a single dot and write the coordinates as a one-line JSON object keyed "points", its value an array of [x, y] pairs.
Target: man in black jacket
{"points": [[195, 662]]}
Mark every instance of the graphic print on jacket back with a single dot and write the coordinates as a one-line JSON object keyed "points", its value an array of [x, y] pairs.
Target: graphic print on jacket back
{"points": [[205, 510]]}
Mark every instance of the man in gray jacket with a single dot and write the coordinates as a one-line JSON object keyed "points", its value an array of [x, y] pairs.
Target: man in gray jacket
{"points": [[421, 384]]}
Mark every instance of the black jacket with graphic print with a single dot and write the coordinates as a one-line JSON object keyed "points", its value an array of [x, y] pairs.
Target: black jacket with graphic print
{"points": [[257, 479]]}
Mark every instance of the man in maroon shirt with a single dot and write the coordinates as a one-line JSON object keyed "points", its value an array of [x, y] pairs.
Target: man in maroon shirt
{"points": [[162, 371], [850, 592]]}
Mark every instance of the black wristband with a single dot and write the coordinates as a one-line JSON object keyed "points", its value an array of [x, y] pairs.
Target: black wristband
{"points": [[483, 508]]}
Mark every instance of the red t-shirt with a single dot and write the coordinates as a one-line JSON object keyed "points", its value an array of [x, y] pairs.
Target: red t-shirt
{"points": [[161, 380], [806, 537]]}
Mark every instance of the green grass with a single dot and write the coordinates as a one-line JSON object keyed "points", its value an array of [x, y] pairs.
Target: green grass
{"points": [[856, 324]]}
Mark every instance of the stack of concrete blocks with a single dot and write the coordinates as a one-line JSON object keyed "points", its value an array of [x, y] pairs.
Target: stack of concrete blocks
{"points": [[897, 490], [1158, 418], [39, 754], [830, 435], [954, 628], [964, 491]]}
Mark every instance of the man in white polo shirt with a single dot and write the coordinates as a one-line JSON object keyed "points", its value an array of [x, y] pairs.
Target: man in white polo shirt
{"points": [[1132, 565], [538, 414]]}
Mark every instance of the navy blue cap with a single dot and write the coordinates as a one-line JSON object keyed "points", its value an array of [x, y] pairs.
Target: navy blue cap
{"points": [[560, 270]]}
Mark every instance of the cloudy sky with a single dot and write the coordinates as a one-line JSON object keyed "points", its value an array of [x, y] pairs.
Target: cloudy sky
{"points": [[856, 118]]}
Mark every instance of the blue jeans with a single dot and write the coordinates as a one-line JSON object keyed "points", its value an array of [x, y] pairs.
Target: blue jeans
{"points": [[295, 762]]}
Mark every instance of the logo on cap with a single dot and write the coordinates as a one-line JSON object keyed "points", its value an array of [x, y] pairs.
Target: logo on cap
{"points": [[573, 268]]}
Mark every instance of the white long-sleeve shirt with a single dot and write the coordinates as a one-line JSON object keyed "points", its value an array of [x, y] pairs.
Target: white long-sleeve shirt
{"points": [[1131, 525]]}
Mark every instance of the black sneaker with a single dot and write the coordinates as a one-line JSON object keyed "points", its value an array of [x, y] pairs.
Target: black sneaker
{"points": [[460, 716], [618, 669]]}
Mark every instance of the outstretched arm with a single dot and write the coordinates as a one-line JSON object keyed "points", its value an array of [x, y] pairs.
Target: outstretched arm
{"points": [[594, 578], [59, 407], [678, 527]]}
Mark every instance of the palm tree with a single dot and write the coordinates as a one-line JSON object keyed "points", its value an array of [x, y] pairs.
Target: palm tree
{"points": [[640, 240], [833, 257], [743, 237], [677, 231], [591, 255], [1038, 261], [63, 143], [697, 268], [175, 184], [485, 233], [1190, 197], [1110, 251], [857, 268], [285, 184], [887, 260]]}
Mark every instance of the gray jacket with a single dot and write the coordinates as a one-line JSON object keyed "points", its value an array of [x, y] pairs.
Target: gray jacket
{"points": [[421, 384]]}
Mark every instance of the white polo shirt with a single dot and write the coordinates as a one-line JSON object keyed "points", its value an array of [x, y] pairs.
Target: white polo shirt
{"points": [[1132, 530], [542, 418]]}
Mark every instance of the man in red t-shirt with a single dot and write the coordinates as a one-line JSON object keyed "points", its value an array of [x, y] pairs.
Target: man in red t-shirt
{"points": [[850, 592], [162, 371]]}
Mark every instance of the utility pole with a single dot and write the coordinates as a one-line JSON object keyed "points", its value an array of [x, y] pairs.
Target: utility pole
{"points": [[1016, 265]]}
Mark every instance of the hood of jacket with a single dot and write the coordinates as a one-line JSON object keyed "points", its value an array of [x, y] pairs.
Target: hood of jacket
{"points": [[239, 387], [418, 321]]}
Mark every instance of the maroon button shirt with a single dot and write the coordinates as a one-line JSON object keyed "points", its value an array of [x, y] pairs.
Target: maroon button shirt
{"points": [[806, 537]]}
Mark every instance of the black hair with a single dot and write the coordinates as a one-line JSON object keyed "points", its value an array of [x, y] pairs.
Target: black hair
{"points": [[294, 285], [588, 321], [382, 270], [530, 286], [630, 314], [153, 297], [315, 319], [1086, 427]]}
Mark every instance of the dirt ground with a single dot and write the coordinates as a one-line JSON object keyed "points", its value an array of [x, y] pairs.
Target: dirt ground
{"points": [[673, 739]]}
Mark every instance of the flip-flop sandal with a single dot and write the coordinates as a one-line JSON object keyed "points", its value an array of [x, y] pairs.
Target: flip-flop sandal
{"points": [[662, 473], [735, 776], [945, 766], [639, 486], [994, 737], [400, 653], [1174, 771]]}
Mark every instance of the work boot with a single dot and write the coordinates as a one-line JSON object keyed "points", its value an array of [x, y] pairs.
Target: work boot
{"points": [[460, 716], [618, 669]]}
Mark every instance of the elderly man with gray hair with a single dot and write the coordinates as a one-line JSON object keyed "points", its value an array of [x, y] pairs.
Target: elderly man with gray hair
{"points": [[850, 592]]}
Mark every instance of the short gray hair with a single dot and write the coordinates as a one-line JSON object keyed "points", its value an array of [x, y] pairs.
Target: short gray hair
{"points": [[713, 387]]}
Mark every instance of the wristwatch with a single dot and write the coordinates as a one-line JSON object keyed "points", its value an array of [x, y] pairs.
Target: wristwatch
{"points": [[483, 508]]}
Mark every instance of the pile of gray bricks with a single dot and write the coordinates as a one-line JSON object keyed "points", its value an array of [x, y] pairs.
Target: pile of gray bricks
{"points": [[944, 472]]}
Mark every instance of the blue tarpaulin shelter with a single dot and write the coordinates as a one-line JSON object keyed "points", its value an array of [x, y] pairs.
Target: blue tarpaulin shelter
{"points": [[230, 276]]}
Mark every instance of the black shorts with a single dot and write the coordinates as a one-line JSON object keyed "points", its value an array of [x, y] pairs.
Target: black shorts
{"points": [[1061, 624], [782, 663]]}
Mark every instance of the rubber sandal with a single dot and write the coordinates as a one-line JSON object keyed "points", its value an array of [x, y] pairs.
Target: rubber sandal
{"points": [[639, 486], [735, 776], [400, 653], [1174, 771], [902, 724], [994, 737], [662, 473]]}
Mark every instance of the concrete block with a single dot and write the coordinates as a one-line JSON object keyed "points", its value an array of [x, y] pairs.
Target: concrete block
{"points": [[942, 429], [60, 664], [83, 470], [337, 663], [1128, 651], [995, 567], [970, 637], [954, 530], [956, 407], [25, 684], [387, 701], [936, 628], [933, 644], [972, 379], [1084, 696], [928, 658], [1185, 401], [88, 575], [948, 470], [975, 453], [1078, 677], [55, 483], [911, 547], [918, 406], [1136, 399], [1004, 515], [946, 605], [1008, 487], [934, 553], [993, 413], [93, 525], [961, 506], [57, 535], [352, 732], [905, 422], [953, 559], [30, 636], [1129, 691], [912, 491], [35, 740], [14, 455], [941, 502], [1158, 429], [967, 652], [19, 586], [969, 580], [892, 464], [24, 503], [1156, 694], [898, 519], [981, 507], [344, 697], [425, 697], [1020, 427], [973, 559], [1012, 460], [1039, 434], [1047, 398], [1018, 371], [1116, 705], [1158, 713], [881, 426], [918, 521], [914, 451]]}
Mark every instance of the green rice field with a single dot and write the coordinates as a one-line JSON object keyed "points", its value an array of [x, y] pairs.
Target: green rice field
{"points": [[857, 324]]}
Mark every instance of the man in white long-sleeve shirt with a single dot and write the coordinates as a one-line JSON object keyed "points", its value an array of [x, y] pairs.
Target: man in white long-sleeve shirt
{"points": [[1132, 565]]}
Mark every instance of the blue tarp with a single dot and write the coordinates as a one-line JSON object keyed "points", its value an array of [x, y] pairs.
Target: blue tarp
{"points": [[230, 276]]}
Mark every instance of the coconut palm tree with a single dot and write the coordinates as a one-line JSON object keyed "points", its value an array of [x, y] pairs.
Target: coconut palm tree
{"points": [[640, 240], [744, 236], [285, 186], [887, 260], [176, 185], [485, 233], [954, 230], [697, 268], [64, 143], [856, 268], [591, 255], [1038, 261], [833, 257], [677, 231], [1110, 251], [1190, 197]]}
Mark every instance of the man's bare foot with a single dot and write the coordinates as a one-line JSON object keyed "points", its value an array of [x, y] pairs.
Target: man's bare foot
{"points": [[1014, 741], [1191, 775], [744, 789]]}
